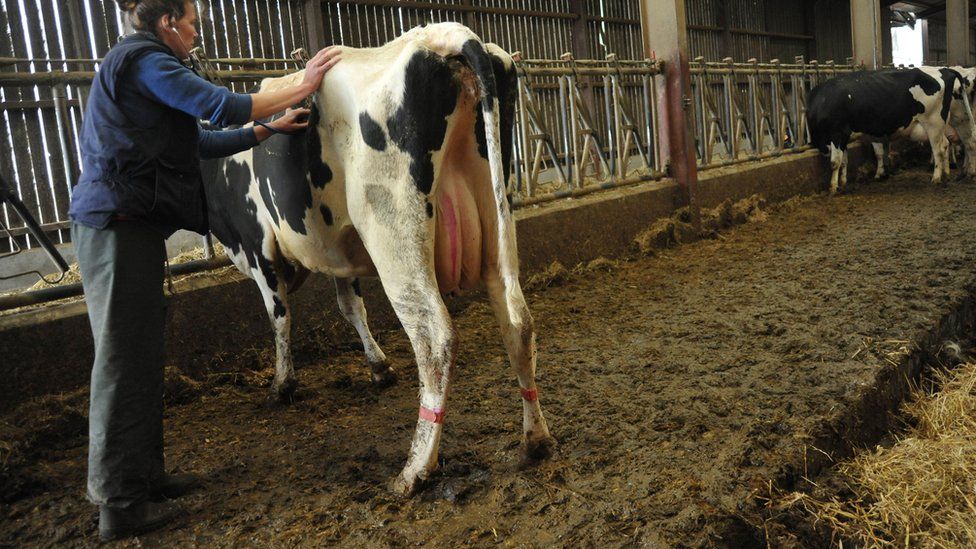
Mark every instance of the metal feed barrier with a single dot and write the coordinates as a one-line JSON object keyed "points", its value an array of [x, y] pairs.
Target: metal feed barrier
{"points": [[750, 111], [584, 125]]}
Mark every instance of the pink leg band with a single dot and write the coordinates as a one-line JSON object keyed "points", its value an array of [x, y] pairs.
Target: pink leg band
{"points": [[530, 395], [434, 416]]}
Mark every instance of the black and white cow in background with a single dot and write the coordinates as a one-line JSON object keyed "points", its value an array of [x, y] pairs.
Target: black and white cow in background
{"points": [[888, 102], [958, 126], [401, 175]]}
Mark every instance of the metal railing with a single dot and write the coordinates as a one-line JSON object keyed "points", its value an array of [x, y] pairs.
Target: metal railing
{"points": [[584, 125], [750, 111]]}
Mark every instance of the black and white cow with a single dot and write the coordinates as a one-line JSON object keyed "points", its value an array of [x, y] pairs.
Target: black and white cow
{"points": [[959, 128], [401, 175], [885, 103]]}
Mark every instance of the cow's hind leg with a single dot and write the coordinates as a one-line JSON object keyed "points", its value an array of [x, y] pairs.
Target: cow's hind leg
{"points": [[351, 304], [881, 154], [940, 149], [424, 316], [398, 236], [965, 132], [518, 333], [843, 167]]}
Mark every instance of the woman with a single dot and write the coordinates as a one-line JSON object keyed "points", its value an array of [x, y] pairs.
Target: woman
{"points": [[141, 148]]}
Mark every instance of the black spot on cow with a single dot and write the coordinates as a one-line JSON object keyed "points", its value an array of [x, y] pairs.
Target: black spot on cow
{"points": [[877, 103], [430, 210], [372, 132], [356, 288], [419, 124], [284, 165], [280, 169], [234, 218], [318, 171], [505, 83], [326, 214], [279, 308]]}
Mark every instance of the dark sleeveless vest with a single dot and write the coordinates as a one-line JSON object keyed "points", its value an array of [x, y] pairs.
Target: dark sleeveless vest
{"points": [[149, 171]]}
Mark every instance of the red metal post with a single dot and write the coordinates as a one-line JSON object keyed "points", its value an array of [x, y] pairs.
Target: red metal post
{"points": [[665, 33]]}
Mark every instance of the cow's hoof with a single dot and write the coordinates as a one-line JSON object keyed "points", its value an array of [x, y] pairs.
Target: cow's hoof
{"points": [[383, 377], [534, 451], [284, 393], [406, 487]]}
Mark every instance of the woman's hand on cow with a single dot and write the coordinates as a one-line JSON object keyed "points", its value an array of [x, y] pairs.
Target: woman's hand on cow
{"points": [[317, 66], [267, 103], [293, 121]]}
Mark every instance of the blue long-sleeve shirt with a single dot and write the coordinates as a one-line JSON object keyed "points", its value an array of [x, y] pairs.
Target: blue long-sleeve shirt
{"points": [[141, 142], [163, 78]]}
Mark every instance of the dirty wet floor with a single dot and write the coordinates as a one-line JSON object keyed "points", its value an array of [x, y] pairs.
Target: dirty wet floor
{"points": [[676, 386]]}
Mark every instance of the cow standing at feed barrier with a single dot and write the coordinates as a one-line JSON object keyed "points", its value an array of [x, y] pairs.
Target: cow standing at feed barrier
{"points": [[402, 175], [891, 102]]}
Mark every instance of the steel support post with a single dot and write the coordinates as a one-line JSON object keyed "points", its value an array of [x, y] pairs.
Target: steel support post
{"points": [[314, 26], [957, 31], [866, 24], [665, 32], [926, 44]]}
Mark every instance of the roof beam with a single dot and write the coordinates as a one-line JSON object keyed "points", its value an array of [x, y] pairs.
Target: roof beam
{"points": [[938, 8]]}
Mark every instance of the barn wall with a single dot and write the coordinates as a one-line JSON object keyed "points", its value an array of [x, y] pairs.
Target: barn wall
{"points": [[769, 29], [936, 53], [540, 29]]}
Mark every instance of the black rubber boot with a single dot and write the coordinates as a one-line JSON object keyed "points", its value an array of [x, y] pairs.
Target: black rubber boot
{"points": [[114, 524], [173, 486]]}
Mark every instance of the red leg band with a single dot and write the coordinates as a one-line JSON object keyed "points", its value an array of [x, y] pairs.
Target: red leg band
{"points": [[434, 416], [530, 395]]}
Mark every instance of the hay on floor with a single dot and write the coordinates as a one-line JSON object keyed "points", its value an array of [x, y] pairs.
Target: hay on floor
{"points": [[920, 492]]}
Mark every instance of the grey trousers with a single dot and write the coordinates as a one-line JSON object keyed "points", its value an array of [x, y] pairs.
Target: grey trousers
{"points": [[122, 274]]}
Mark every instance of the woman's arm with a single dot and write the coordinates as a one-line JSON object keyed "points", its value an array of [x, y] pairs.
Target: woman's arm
{"points": [[264, 104], [162, 77], [219, 144]]}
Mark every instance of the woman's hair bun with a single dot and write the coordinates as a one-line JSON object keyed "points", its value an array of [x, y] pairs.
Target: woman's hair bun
{"points": [[127, 5]]}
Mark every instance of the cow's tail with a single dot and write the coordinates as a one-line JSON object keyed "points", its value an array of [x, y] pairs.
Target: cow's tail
{"points": [[493, 107]]}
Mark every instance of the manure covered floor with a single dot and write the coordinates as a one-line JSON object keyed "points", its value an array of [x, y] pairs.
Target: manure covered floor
{"points": [[677, 386]]}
